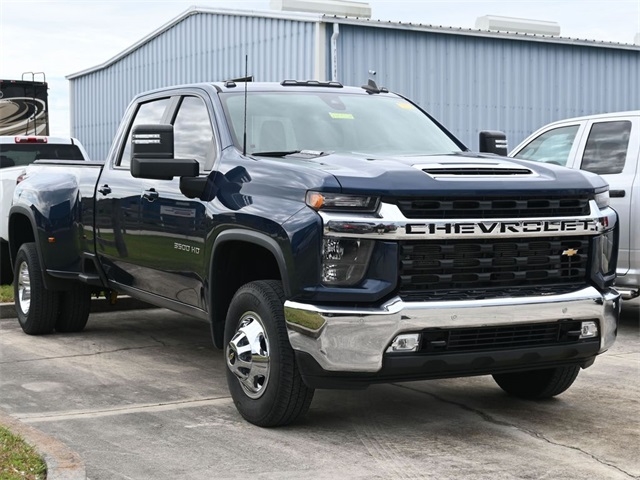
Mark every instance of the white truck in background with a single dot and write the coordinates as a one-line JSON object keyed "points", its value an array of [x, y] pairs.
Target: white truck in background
{"points": [[609, 145], [16, 152]]}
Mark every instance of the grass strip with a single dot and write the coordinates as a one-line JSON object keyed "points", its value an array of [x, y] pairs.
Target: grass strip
{"points": [[6, 293], [18, 461]]}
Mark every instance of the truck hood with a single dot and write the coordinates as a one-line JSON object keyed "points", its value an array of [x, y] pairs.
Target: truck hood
{"points": [[458, 174]]}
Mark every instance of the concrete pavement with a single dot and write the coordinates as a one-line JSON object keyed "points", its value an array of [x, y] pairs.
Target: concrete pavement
{"points": [[142, 395]]}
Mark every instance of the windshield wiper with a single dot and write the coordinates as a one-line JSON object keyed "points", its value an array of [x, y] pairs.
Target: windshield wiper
{"points": [[284, 153]]}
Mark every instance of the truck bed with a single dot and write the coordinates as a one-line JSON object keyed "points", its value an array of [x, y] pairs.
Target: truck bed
{"points": [[66, 188]]}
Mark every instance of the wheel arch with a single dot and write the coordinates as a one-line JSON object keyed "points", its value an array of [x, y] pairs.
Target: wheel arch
{"points": [[23, 229], [227, 247]]}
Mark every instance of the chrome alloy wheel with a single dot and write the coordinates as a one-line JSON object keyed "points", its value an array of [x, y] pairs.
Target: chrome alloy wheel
{"points": [[248, 355], [24, 288]]}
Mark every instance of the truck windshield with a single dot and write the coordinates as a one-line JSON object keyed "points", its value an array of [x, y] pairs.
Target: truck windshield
{"points": [[333, 122], [17, 154]]}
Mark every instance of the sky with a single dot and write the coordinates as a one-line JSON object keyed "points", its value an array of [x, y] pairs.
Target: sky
{"points": [[65, 37]]}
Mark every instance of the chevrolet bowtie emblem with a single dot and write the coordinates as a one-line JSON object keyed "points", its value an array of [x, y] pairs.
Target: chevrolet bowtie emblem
{"points": [[570, 252]]}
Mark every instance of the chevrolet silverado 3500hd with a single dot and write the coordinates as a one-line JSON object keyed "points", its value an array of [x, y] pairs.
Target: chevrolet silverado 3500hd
{"points": [[332, 236]]}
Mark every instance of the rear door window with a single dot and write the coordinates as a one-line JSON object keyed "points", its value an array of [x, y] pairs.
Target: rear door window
{"points": [[553, 146], [606, 150]]}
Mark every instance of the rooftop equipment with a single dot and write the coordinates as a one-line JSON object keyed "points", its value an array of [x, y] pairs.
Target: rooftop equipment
{"points": [[518, 25], [346, 8]]}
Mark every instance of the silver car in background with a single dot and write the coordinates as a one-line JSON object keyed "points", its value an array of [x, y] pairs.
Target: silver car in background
{"points": [[609, 145]]}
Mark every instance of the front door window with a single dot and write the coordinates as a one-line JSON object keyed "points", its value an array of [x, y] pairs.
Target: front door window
{"points": [[552, 146]]}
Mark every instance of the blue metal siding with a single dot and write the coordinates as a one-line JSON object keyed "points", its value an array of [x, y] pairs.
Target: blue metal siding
{"points": [[202, 47], [471, 83]]}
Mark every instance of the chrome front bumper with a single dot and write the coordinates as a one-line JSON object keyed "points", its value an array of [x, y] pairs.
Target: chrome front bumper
{"points": [[355, 339]]}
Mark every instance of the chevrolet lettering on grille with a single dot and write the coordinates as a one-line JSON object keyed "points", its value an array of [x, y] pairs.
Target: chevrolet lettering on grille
{"points": [[492, 228]]}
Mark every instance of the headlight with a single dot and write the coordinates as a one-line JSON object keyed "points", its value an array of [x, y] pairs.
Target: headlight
{"points": [[606, 251], [340, 202], [602, 199], [345, 260]]}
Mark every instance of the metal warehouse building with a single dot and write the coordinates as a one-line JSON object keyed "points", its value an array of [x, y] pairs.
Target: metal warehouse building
{"points": [[470, 80]]}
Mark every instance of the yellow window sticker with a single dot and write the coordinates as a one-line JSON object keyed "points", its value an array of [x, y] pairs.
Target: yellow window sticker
{"points": [[341, 116], [405, 105]]}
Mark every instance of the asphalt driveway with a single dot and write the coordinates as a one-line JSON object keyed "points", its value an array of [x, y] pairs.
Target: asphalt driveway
{"points": [[142, 394]]}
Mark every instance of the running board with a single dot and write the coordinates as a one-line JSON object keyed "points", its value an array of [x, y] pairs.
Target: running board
{"points": [[91, 279], [628, 293]]}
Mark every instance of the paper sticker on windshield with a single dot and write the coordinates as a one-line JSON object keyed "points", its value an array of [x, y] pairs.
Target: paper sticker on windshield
{"points": [[405, 105], [341, 116]]}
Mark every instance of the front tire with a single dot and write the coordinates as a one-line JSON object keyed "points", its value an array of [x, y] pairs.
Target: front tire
{"points": [[36, 307], [538, 384], [262, 374]]}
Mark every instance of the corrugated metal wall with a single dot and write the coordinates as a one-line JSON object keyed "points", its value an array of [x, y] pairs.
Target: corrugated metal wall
{"points": [[469, 83], [473, 83], [202, 47]]}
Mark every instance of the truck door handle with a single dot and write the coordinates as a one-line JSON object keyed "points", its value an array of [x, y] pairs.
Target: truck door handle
{"points": [[105, 189], [617, 193], [151, 194]]}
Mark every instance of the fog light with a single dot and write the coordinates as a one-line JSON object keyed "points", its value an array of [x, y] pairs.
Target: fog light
{"points": [[589, 330], [405, 343]]}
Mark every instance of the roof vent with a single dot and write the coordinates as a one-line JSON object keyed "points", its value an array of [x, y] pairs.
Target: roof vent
{"points": [[346, 8], [518, 25], [636, 40]]}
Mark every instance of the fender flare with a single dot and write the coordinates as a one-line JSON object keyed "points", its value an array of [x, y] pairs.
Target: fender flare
{"points": [[257, 238], [23, 211]]}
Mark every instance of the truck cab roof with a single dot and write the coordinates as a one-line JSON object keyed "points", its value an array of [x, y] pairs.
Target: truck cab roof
{"points": [[234, 86]]}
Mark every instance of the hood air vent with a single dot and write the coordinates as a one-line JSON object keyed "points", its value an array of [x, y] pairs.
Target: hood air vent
{"points": [[474, 170]]}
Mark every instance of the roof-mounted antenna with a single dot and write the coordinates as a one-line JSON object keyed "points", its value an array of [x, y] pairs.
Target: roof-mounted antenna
{"points": [[244, 134], [371, 87]]}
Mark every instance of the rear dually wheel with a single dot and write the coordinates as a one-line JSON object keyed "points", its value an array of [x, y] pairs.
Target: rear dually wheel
{"points": [[36, 306], [538, 384]]}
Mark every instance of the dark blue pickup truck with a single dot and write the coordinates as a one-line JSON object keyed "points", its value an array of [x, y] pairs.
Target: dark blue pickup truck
{"points": [[333, 237]]}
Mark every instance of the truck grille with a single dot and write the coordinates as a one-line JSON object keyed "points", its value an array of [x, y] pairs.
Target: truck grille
{"points": [[486, 207], [457, 340], [490, 268]]}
